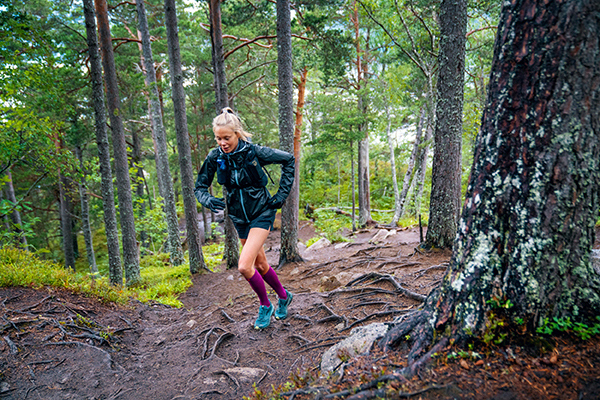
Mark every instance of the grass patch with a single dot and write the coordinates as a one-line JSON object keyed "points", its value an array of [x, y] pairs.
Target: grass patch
{"points": [[21, 268], [160, 282]]}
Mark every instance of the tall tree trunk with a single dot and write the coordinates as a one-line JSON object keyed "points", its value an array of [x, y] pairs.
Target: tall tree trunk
{"points": [[532, 202], [183, 142], [231, 252], [421, 169], [115, 270], [391, 146], [66, 224], [364, 181], [136, 159], [6, 222], [444, 205], [411, 172], [353, 186], [160, 137], [85, 216], [15, 215], [131, 257], [289, 212]]}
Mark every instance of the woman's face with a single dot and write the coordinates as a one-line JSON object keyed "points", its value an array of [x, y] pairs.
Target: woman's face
{"points": [[226, 138]]}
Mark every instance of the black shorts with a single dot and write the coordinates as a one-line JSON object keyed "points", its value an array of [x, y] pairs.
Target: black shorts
{"points": [[264, 220]]}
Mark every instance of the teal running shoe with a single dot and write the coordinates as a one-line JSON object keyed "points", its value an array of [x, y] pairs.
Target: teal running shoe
{"points": [[264, 317], [282, 309]]}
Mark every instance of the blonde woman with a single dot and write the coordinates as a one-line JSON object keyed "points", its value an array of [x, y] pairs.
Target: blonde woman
{"points": [[239, 167]]}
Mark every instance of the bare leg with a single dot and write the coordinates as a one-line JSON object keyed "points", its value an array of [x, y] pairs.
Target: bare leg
{"points": [[253, 255]]}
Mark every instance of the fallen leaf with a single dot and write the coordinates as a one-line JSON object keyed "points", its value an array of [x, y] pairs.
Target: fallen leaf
{"points": [[463, 364]]}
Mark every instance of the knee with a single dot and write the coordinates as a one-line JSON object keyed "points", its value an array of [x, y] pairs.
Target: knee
{"points": [[262, 267], [246, 270]]}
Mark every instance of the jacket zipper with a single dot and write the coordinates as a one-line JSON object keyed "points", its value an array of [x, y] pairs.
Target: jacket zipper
{"points": [[241, 192]]}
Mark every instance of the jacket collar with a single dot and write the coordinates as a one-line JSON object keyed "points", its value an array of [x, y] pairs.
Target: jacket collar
{"points": [[242, 146]]}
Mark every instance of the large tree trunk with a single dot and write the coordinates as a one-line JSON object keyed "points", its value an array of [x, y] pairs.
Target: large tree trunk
{"points": [[231, 251], [131, 257], [115, 270], [160, 137], [183, 142], [532, 202], [444, 205], [289, 211], [85, 217]]}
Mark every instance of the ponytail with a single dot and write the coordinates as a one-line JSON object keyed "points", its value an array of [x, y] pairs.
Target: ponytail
{"points": [[230, 119]]}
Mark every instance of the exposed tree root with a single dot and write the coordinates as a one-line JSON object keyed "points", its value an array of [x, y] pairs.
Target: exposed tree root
{"points": [[227, 317], [382, 393], [400, 264], [332, 315], [374, 315], [223, 372], [422, 272], [368, 250], [387, 278]]}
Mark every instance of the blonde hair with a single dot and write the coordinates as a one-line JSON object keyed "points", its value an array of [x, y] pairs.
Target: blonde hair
{"points": [[229, 119]]}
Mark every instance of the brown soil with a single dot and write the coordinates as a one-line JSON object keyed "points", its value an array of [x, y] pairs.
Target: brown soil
{"points": [[52, 344]]}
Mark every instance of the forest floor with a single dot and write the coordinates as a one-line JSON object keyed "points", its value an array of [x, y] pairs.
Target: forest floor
{"points": [[54, 345]]}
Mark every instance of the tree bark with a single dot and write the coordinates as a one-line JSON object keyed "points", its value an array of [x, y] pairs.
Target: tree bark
{"points": [[444, 205], [527, 226], [85, 217], [115, 270], [231, 251], [421, 169], [411, 171], [289, 212], [65, 223], [196, 257], [160, 137], [131, 257], [15, 215], [136, 160], [364, 181]]}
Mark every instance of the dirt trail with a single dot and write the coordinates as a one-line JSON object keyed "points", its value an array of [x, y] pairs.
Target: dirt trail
{"points": [[208, 349]]}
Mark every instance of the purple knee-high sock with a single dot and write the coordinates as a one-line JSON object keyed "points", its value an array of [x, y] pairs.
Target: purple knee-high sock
{"points": [[271, 278], [258, 285]]}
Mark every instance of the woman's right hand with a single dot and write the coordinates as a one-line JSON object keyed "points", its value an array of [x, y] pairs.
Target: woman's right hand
{"points": [[215, 204]]}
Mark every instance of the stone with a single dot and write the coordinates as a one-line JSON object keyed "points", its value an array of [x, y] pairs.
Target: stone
{"points": [[329, 283], [191, 323], [245, 374], [319, 244], [380, 236], [230, 277], [295, 271], [360, 341], [341, 245]]}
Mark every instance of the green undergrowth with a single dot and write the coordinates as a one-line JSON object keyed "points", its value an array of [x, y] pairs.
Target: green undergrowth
{"points": [[160, 282]]}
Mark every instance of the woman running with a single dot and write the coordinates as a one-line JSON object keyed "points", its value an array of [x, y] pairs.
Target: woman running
{"points": [[239, 167]]}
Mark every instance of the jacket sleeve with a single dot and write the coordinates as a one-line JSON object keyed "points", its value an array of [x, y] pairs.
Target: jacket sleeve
{"points": [[267, 155], [205, 178]]}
